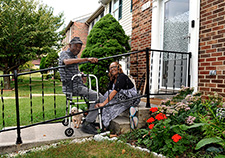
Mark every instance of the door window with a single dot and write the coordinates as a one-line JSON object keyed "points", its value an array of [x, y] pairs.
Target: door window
{"points": [[175, 38]]}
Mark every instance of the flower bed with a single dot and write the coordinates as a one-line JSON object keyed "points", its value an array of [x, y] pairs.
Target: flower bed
{"points": [[185, 126]]}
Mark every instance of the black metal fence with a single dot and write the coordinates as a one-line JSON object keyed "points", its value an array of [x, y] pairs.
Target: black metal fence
{"points": [[169, 71], [166, 70]]}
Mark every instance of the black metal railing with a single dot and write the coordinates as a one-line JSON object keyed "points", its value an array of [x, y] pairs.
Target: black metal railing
{"points": [[171, 71], [166, 65]]}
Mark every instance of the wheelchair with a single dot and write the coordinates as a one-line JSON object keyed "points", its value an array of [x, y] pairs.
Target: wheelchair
{"points": [[70, 101]]}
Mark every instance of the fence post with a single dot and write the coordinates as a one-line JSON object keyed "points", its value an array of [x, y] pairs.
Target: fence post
{"points": [[19, 140], [147, 84], [189, 74]]}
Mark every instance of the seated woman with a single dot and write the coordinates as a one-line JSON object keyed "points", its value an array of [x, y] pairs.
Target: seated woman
{"points": [[120, 88]]}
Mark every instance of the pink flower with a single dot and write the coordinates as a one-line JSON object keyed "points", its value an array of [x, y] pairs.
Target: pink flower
{"points": [[176, 137], [150, 120]]}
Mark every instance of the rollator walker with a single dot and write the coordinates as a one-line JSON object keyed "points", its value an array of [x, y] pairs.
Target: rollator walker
{"points": [[70, 100]]}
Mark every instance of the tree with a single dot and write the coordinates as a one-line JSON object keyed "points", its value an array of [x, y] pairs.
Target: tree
{"points": [[52, 59], [43, 63], [27, 66], [107, 38], [28, 30]]}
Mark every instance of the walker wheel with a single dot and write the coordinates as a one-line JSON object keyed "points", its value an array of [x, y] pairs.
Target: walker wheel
{"points": [[65, 123], [69, 132]]}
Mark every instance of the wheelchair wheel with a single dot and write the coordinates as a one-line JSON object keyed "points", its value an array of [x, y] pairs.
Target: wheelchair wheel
{"points": [[65, 123], [69, 132]]}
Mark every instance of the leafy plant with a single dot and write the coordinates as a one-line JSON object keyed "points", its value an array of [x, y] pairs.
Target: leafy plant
{"points": [[43, 63], [27, 66], [107, 38], [206, 141], [166, 138], [28, 30], [214, 128], [186, 119]]}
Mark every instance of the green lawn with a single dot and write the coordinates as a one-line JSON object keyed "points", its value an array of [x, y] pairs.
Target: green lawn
{"points": [[38, 105], [36, 86], [88, 149]]}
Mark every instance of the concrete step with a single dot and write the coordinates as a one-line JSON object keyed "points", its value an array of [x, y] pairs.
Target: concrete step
{"points": [[121, 124]]}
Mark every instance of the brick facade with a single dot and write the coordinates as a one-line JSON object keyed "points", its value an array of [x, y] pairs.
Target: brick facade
{"points": [[212, 47], [78, 30], [211, 43], [141, 37]]}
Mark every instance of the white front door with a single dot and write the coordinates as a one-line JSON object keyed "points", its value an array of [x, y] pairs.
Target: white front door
{"points": [[175, 27], [175, 37]]}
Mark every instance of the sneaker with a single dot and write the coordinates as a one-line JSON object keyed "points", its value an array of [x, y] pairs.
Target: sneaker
{"points": [[88, 128]]}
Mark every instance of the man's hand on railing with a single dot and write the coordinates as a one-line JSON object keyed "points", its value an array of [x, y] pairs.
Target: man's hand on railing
{"points": [[93, 60]]}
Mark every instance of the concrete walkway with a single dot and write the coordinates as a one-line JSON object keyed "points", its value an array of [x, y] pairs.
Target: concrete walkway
{"points": [[36, 136]]}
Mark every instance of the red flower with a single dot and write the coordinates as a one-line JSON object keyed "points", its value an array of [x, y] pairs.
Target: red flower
{"points": [[164, 116], [154, 109], [151, 126], [164, 126], [150, 120], [160, 116], [176, 137]]}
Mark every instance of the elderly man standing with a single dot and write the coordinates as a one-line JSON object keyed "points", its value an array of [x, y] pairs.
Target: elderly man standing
{"points": [[69, 58]]}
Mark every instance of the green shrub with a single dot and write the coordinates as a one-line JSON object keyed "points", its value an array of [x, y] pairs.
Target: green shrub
{"points": [[107, 38], [178, 124]]}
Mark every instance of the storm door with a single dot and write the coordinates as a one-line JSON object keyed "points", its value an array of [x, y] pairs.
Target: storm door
{"points": [[175, 38]]}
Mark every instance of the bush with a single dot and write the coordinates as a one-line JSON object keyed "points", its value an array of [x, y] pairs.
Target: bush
{"points": [[51, 76], [107, 38], [185, 125]]}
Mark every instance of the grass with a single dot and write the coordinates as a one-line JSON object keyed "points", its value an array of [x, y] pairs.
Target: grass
{"points": [[36, 86], [37, 110], [42, 108], [89, 149]]}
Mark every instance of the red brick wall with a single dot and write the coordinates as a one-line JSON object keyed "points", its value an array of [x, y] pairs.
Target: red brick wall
{"points": [[141, 37], [79, 30], [212, 47]]}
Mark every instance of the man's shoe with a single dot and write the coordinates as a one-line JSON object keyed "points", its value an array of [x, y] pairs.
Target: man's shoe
{"points": [[88, 128], [95, 125]]}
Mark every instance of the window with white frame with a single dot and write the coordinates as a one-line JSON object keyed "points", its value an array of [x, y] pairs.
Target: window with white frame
{"points": [[116, 7], [93, 23], [102, 14]]}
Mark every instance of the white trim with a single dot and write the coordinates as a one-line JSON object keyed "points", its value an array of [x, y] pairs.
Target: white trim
{"points": [[155, 44], [194, 41], [115, 10]]}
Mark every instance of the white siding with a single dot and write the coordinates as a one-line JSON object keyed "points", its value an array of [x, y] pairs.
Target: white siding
{"points": [[126, 20], [95, 21]]}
